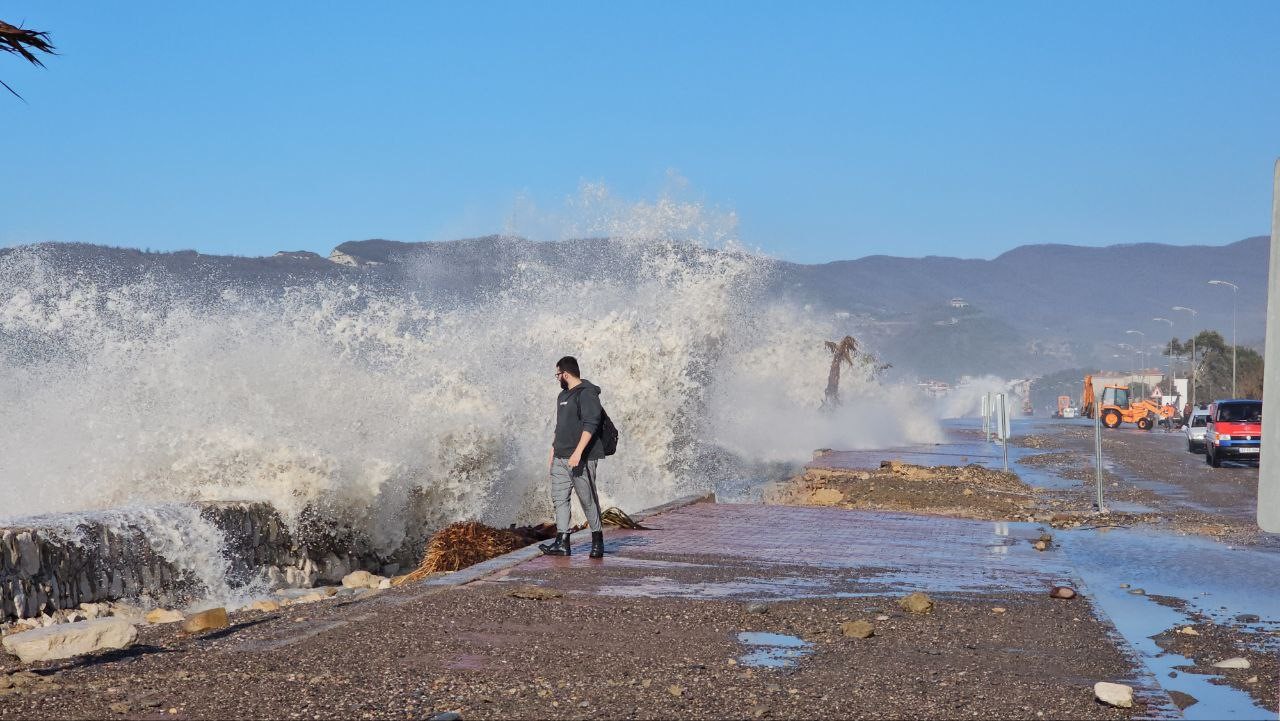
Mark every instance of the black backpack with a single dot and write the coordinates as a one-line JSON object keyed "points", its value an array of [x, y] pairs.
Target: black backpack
{"points": [[608, 434]]}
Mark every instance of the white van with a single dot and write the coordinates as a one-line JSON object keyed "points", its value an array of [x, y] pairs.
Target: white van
{"points": [[1195, 429]]}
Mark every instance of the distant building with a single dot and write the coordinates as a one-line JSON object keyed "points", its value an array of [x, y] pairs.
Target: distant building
{"points": [[959, 303]]}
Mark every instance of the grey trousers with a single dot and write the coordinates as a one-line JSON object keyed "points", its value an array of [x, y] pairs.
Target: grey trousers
{"points": [[581, 479]]}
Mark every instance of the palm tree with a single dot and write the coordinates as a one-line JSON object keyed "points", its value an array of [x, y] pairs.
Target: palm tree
{"points": [[23, 41], [842, 354]]}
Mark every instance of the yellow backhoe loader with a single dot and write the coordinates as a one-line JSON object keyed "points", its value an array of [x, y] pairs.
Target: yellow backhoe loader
{"points": [[1115, 407]]}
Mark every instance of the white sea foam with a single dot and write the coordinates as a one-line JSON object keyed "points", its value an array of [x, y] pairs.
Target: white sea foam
{"points": [[394, 413]]}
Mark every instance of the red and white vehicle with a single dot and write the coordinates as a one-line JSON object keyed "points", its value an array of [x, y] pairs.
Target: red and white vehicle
{"points": [[1234, 431]]}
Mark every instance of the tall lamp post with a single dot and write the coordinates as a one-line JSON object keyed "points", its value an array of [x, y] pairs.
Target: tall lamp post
{"points": [[1192, 311], [1235, 295], [1141, 348], [1171, 384], [1130, 356]]}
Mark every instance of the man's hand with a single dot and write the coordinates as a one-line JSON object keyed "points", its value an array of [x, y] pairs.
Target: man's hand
{"points": [[575, 460]]}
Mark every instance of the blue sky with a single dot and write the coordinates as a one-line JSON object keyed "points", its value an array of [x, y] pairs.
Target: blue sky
{"points": [[832, 130]]}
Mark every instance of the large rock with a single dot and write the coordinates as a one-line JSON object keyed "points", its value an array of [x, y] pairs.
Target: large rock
{"points": [[916, 603], [1236, 662], [162, 615], [1114, 694], [209, 620], [71, 639], [1063, 592], [361, 579], [857, 629]]}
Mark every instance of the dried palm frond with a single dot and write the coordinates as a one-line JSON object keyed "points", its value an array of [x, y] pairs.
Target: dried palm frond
{"points": [[467, 543], [463, 544], [22, 41], [614, 516]]}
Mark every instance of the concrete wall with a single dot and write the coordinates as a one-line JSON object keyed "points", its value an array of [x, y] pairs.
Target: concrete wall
{"points": [[42, 571]]}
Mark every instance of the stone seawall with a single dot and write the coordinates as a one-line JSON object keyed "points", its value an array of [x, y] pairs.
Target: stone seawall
{"points": [[46, 567]]}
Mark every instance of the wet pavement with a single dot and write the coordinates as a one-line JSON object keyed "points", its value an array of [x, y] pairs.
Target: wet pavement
{"points": [[779, 552], [734, 610], [664, 626]]}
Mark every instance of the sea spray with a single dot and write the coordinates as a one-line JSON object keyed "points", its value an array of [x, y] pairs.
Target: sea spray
{"points": [[386, 409]]}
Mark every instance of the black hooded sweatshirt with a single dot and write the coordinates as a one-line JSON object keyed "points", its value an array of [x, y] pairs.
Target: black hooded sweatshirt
{"points": [[577, 410]]}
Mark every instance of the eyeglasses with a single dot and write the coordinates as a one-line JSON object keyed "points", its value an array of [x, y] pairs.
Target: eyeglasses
{"points": [[559, 373]]}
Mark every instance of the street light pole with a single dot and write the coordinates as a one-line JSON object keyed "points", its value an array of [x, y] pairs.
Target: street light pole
{"points": [[1166, 320], [1192, 311], [1140, 348], [1235, 297]]}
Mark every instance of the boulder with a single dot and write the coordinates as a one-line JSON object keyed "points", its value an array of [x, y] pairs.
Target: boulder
{"points": [[857, 629], [361, 579], [916, 603], [1234, 662], [68, 640], [357, 579], [1063, 592], [160, 615], [1114, 694], [210, 620], [264, 606]]}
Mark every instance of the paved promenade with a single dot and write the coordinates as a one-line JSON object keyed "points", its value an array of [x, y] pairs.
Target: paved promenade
{"points": [[720, 611]]}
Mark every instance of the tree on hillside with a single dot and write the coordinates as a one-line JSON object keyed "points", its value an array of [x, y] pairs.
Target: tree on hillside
{"points": [[1213, 367], [22, 41]]}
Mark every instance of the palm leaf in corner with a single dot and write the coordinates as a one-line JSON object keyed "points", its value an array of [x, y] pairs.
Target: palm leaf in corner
{"points": [[22, 42]]}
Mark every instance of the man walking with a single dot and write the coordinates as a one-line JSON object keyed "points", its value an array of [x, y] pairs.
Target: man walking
{"points": [[574, 452]]}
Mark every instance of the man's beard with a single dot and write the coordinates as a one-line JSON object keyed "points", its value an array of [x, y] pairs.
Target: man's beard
{"points": [[564, 384]]}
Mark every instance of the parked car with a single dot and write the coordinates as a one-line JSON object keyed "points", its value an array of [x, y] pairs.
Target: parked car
{"points": [[1195, 428], [1233, 432]]}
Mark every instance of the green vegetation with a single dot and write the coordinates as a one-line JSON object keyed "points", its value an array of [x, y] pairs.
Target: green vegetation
{"points": [[1213, 367]]}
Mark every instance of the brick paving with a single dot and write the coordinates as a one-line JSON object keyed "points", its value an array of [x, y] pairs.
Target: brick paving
{"points": [[839, 552]]}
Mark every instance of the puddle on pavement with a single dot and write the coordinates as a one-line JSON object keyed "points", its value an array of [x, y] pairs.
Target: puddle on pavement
{"points": [[747, 588], [772, 650], [1215, 579]]}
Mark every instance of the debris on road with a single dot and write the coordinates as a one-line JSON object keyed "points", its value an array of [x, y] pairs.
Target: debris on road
{"points": [[536, 593], [971, 491], [1114, 694]]}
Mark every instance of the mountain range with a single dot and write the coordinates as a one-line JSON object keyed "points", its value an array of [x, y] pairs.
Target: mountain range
{"points": [[1031, 310]]}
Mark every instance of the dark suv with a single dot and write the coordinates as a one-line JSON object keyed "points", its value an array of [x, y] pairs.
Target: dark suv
{"points": [[1234, 432]]}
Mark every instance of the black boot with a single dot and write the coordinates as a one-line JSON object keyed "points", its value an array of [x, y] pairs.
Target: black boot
{"points": [[597, 544], [559, 548]]}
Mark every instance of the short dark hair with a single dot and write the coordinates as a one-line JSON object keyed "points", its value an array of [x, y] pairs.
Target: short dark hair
{"points": [[569, 364]]}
